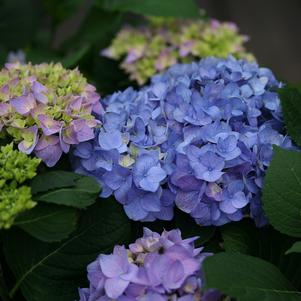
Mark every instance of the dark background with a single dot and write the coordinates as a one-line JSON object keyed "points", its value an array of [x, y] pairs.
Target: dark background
{"points": [[52, 30], [274, 28]]}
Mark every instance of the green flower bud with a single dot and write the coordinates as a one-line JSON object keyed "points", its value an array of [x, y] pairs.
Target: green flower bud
{"points": [[15, 169]]}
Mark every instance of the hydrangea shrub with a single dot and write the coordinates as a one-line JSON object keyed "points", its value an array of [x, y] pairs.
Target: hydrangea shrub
{"points": [[46, 108], [15, 196], [155, 267], [162, 43], [199, 137]]}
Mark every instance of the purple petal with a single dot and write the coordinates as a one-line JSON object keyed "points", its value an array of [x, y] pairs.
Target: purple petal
{"points": [[227, 207], [135, 211], [23, 104], [239, 200], [49, 125], [82, 130], [45, 141], [151, 202], [64, 146], [69, 136], [4, 108], [115, 287], [39, 92], [50, 154], [187, 201], [211, 176], [84, 150], [174, 276], [30, 136], [110, 140], [113, 265]]}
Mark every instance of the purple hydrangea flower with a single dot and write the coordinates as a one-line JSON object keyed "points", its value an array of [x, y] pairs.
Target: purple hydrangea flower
{"points": [[155, 267], [200, 137], [46, 109], [163, 42]]}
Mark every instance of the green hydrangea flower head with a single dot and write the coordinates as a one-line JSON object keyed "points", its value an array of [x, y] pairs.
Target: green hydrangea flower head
{"points": [[15, 196], [162, 42]]}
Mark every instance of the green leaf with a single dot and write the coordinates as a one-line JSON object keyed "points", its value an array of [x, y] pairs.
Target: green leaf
{"points": [[282, 192], [53, 180], [78, 196], [265, 243], [291, 106], [240, 237], [295, 248], [48, 222], [164, 8], [65, 188], [247, 278], [54, 271]]}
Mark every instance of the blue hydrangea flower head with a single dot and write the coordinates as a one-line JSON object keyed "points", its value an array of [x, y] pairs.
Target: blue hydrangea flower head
{"points": [[155, 267], [199, 137]]}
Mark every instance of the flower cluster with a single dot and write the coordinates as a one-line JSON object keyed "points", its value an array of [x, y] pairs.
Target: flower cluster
{"points": [[200, 136], [46, 108], [148, 50], [156, 267], [15, 169]]}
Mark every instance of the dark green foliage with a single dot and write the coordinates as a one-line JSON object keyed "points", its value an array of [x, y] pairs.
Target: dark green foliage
{"points": [[48, 222], [291, 106], [282, 192], [54, 271], [65, 188], [248, 278]]}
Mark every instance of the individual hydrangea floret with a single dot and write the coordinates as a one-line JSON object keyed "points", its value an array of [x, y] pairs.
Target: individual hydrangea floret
{"points": [[154, 268], [46, 108], [162, 42], [199, 137], [15, 197], [16, 56]]}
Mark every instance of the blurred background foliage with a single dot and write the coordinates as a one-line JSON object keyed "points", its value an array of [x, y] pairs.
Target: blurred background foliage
{"points": [[74, 31]]}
